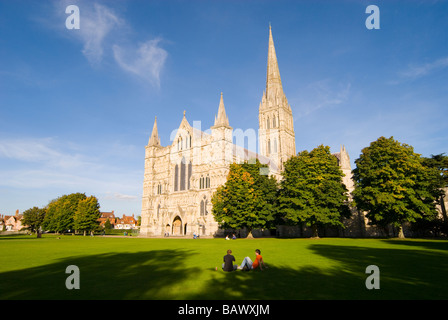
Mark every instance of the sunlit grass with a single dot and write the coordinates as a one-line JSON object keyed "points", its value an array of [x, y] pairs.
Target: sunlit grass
{"points": [[140, 268]]}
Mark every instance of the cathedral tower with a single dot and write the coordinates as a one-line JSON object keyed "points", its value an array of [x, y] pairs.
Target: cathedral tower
{"points": [[276, 128]]}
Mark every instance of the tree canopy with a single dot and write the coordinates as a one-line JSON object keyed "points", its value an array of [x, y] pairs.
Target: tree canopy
{"points": [[71, 212], [87, 214], [33, 219], [312, 192], [392, 185], [246, 200], [439, 162]]}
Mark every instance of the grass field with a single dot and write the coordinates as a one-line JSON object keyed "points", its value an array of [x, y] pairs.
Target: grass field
{"points": [[139, 268]]}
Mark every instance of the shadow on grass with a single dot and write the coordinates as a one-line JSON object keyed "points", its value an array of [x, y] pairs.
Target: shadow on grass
{"points": [[141, 275], [404, 274], [427, 244], [163, 274]]}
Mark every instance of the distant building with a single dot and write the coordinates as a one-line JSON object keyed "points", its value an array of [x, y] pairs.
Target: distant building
{"points": [[11, 223], [127, 222], [107, 216]]}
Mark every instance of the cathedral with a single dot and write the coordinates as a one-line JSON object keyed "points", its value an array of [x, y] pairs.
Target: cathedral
{"points": [[180, 179]]}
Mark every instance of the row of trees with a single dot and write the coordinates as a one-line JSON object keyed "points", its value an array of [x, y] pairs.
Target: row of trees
{"points": [[67, 213], [393, 185]]}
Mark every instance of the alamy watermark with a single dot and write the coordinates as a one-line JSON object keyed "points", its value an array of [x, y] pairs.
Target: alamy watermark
{"points": [[373, 20], [73, 21], [73, 280], [373, 281]]}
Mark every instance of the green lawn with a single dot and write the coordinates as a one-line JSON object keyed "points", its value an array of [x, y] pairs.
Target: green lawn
{"points": [[138, 268]]}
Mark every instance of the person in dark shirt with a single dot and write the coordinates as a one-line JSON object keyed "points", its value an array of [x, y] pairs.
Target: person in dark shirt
{"points": [[228, 262]]}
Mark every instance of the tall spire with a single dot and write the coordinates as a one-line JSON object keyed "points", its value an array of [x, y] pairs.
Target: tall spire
{"points": [[273, 80], [275, 120], [221, 119], [154, 139]]}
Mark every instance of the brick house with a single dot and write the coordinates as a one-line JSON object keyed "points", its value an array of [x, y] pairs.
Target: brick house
{"points": [[127, 222], [11, 223], [107, 216]]}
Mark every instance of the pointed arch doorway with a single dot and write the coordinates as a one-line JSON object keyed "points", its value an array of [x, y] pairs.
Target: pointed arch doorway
{"points": [[177, 226]]}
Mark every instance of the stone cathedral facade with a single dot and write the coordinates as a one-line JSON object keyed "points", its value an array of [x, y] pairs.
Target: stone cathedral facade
{"points": [[180, 178]]}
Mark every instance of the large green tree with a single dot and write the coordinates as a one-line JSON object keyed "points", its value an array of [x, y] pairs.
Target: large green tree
{"points": [[87, 214], [61, 212], [240, 202], [392, 185], [267, 186], [312, 192], [33, 219]]}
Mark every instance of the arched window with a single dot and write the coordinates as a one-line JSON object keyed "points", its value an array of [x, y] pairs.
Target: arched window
{"points": [[182, 174], [176, 177], [203, 209], [204, 182], [190, 172], [158, 211], [269, 146], [275, 145], [188, 141], [274, 124], [159, 188], [268, 124], [202, 212]]}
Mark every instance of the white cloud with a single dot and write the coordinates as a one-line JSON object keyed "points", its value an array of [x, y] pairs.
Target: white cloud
{"points": [[34, 171], [96, 24], [320, 94], [48, 163], [104, 33], [418, 71], [43, 151], [146, 62], [120, 196]]}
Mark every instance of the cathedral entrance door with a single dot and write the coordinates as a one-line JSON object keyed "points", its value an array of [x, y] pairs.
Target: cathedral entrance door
{"points": [[177, 226], [167, 229]]}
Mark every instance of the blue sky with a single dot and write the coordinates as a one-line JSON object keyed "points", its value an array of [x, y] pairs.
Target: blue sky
{"points": [[77, 106]]}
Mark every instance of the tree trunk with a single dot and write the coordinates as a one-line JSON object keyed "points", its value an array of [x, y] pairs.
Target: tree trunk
{"points": [[315, 233], [443, 208], [400, 232]]}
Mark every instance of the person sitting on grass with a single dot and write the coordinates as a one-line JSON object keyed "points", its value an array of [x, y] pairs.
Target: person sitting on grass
{"points": [[228, 262], [247, 263]]}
